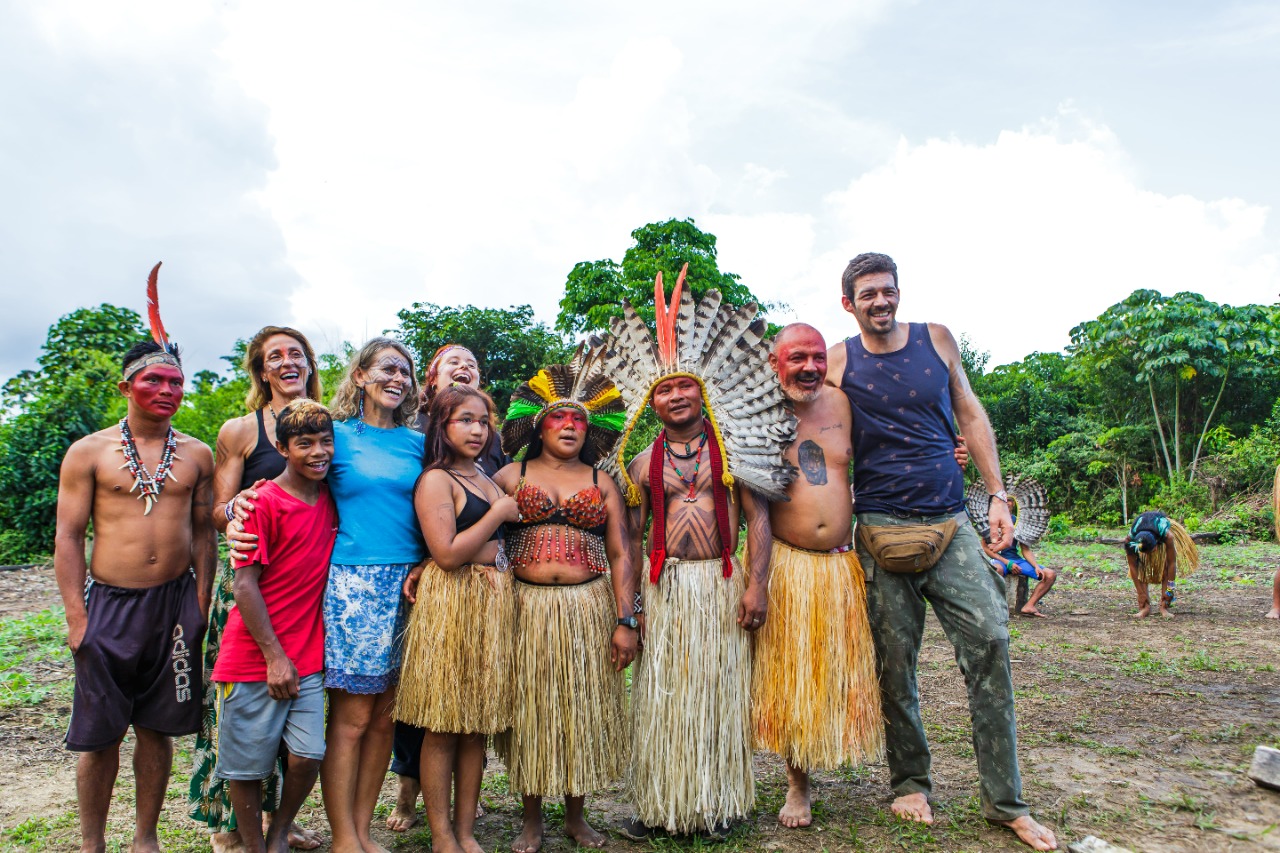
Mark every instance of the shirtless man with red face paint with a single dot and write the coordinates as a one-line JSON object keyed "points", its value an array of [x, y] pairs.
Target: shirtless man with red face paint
{"points": [[136, 631], [815, 699]]}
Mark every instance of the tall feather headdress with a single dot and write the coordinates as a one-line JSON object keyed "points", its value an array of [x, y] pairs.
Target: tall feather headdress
{"points": [[581, 384], [723, 348], [1032, 502]]}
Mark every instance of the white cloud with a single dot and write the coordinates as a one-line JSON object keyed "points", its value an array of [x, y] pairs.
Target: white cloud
{"points": [[1016, 241]]}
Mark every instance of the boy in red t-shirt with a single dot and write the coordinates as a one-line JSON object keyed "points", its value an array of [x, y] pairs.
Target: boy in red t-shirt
{"points": [[270, 668]]}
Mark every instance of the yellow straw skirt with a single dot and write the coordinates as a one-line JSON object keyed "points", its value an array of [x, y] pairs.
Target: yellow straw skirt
{"points": [[457, 653], [1151, 564], [691, 701], [815, 699], [570, 734]]}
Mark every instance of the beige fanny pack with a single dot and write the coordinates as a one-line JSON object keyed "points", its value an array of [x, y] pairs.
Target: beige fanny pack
{"points": [[907, 549]]}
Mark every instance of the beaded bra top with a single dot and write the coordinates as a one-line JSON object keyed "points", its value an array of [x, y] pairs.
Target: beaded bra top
{"points": [[573, 530]]}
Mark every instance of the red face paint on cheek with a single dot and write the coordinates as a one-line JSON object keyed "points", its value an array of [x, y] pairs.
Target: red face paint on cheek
{"points": [[158, 390]]}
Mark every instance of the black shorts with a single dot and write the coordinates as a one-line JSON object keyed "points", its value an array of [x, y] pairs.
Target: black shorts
{"points": [[139, 664]]}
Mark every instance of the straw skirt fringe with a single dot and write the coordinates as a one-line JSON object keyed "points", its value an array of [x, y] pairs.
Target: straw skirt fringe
{"points": [[815, 699], [569, 734], [457, 655], [1151, 564], [691, 701]]}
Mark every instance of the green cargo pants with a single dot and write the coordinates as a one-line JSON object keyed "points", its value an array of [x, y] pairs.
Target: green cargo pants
{"points": [[969, 599]]}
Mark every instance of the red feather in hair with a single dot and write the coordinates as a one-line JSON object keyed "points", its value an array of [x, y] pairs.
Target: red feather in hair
{"points": [[153, 308]]}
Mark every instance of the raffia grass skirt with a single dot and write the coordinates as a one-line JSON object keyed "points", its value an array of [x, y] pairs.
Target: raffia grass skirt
{"points": [[1151, 564], [569, 734], [457, 653], [815, 699], [691, 701]]}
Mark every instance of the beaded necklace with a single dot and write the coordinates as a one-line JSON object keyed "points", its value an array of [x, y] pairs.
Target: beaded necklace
{"points": [[148, 486], [696, 455]]}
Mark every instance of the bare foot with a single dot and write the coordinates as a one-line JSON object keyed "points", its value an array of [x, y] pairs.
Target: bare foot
{"points": [[530, 838], [1273, 613], [226, 842], [914, 807], [1165, 612], [1031, 833], [371, 846], [304, 839], [583, 835], [1143, 612], [797, 810], [405, 814], [402, 818], [469, 844], [148, 843]]}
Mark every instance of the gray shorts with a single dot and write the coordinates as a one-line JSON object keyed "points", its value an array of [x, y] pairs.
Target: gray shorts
{"points": [[251, 726]]}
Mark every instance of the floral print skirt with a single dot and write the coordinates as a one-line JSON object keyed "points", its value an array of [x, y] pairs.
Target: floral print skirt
{"points": [[364, 619]]}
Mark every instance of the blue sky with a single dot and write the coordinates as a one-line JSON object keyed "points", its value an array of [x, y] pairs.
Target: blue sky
{"points": [[321, 165]]}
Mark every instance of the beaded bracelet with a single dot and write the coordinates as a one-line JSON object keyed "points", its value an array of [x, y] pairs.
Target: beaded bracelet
{"points": [[229, 510]]}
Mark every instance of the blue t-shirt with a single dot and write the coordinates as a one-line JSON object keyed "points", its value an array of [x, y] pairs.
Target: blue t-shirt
{"points": [[371, 480]]}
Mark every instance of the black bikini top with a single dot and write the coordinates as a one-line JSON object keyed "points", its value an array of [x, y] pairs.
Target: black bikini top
{"points": [[473, 510]]}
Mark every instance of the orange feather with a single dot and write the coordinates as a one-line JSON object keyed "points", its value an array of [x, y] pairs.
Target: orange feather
{"points": [[660, 317], [153, 308]]}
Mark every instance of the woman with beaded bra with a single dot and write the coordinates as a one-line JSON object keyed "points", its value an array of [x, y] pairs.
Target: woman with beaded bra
{"points": [[575, 619], [282, 368]]}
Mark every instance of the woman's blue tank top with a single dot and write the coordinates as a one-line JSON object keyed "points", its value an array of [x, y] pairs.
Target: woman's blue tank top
{"points": [[903, 438]]}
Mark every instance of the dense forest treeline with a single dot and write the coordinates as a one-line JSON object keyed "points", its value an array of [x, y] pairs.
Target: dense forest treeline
{"points": [[1160, 401]]}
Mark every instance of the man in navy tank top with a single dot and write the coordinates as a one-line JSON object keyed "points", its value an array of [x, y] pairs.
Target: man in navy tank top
{"points": [[906, 385]]}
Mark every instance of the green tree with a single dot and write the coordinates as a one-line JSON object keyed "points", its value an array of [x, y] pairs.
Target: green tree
{"points": [[72, 394], [594, 290], [1184, 351], [509, 344]]}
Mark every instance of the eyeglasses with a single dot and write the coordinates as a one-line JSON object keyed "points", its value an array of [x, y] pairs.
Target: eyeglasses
{"points": [[467, 423]]}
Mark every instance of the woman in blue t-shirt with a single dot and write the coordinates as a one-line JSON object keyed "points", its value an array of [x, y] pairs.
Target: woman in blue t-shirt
{"points": [[377, 458]]}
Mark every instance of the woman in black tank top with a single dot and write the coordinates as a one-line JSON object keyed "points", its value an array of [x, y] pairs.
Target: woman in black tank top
{"points": [[282, 368], [455, 681]]}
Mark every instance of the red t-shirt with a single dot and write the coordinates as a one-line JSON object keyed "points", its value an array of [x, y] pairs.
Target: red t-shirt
{"points": [[294, 544]]}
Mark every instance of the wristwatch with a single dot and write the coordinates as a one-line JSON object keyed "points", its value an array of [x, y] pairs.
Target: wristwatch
{"points": [[1001, 495], [629, 622]]}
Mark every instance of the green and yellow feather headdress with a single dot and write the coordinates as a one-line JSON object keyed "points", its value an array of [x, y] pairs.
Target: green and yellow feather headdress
{"points": [[581, 384]]}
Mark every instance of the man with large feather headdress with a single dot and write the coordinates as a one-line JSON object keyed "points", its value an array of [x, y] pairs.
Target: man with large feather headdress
{"points": [[136, 630], [717, 458]]}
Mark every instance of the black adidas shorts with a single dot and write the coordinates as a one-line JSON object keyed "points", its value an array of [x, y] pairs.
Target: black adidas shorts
{"points": [[139, 664]]}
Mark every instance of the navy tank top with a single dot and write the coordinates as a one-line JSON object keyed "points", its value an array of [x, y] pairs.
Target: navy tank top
{"points": [[264, 462], [903, 438]]}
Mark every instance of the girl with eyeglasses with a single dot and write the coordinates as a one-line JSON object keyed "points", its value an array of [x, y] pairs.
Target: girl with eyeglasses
{"points": [[456, 681]]}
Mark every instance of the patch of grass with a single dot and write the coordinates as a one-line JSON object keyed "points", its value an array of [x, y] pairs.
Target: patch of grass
{"points": [[35, 833], [34, 661]]}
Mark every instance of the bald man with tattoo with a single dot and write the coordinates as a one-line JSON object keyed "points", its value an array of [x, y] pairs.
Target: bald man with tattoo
{"points": [[815, 699]]}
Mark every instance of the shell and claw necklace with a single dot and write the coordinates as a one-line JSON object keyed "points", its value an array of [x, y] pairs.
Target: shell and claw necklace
{"points": [[148, 486]]}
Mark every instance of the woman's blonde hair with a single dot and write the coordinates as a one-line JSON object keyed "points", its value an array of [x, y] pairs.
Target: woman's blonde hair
{"points": [[255, 363], [345, 404]]}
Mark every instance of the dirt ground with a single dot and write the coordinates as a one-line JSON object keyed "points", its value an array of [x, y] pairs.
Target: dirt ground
{"points": [[1140, 733]]}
